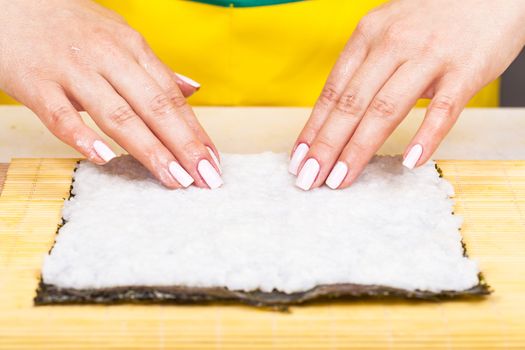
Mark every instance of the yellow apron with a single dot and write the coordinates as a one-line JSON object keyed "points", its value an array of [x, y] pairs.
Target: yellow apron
{"points": [[277, 55]]}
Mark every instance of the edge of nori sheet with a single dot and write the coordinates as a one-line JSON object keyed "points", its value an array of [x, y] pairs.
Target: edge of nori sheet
{"points": [[47, 294]]}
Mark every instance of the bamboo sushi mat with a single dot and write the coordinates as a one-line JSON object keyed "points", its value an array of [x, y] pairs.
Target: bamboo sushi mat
{"points": [[490, 196]]}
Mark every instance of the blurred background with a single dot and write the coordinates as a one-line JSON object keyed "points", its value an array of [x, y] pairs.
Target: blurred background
{"points": [[512, 89], [267, 55]]}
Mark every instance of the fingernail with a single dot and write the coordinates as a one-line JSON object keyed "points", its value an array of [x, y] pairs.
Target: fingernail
{"points": [[103, 151], [308, 174], [209, 174], [297, 157], [215, 160], [413, 156], [337, 175], [188, 80], [180, 174]]}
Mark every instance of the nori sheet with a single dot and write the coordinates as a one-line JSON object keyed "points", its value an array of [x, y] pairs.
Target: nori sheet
{"points": [[48, 294]]}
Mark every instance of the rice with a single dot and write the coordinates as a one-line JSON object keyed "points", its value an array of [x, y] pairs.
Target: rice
{"points": [[394, 227]]}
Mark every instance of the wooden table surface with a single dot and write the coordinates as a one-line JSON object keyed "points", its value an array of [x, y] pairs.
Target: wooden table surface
{"points": [[480, 133]]}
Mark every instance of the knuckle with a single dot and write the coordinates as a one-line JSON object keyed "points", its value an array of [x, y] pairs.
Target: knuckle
{"points": [[324, 143], [135, 38], [58, 115], [117, 17], [192, 147], [60, 122], [395, 40], [349, 104], [103, 37], [444, 105], [121, 115], [161, 105], [430, 45], [104, 45], [328, 94], [365, 25], [394, 32], [178, 100], [382, 107]]}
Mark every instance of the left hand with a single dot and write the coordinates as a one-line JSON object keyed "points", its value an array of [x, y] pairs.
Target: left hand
{"points": [[405, 50]]}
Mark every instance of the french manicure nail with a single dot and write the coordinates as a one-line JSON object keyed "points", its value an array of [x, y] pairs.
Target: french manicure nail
{"points": [[180, 174], [209, 174], [308, 174], [188, 80], [337, 175], [297, 157], [103, 151], [413, 156], [215, 160]]}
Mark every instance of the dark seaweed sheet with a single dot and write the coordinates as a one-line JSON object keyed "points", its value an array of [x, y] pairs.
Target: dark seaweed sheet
{"points": [[49, 294]]}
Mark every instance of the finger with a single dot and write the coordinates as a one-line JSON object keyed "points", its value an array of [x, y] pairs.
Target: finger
{"points": [[349, 61], [451, 97], [158, 70], [171, 83], [60, 116], [118, 120], [347, 114], [163, 115], [186, 85], [391, 104]]}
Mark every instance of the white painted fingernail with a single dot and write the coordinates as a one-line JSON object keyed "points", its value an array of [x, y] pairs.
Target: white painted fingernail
{"points": [[413, 156], [297, 157], [337, 175], [308, 174], [188, 80], [180, 174], [209, 174], [103, 151], [214, 157]]}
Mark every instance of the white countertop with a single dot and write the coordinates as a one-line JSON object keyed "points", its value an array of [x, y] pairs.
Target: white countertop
{"points": [[497, 133]]}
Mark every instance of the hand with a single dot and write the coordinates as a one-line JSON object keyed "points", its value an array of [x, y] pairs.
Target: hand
{"points": [[61, 56], [445, 50]]}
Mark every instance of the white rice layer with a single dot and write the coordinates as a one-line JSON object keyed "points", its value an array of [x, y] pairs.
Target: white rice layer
{"points": [[393, 227]]}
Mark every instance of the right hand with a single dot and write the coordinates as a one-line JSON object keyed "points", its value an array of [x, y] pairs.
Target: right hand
{"points": [[61, 56]]}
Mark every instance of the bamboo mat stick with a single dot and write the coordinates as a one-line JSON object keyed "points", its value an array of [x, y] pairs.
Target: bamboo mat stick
{"points": [[3, 173], [490, 195]]}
